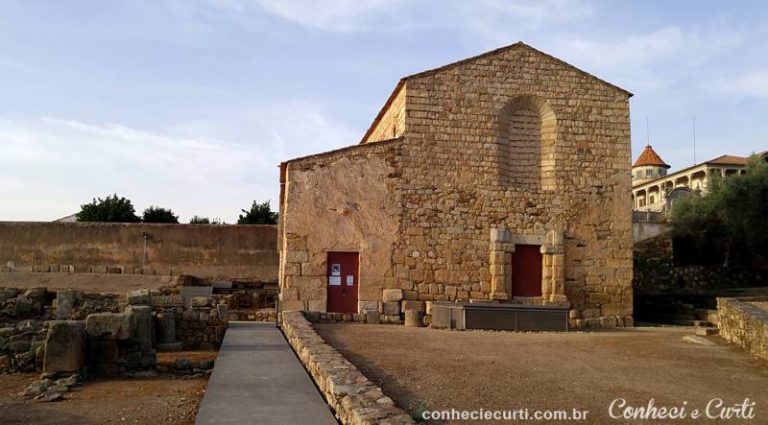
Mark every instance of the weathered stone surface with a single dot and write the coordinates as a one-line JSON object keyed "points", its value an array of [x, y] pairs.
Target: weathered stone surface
{"points": [[141, 319], [391, 308], [390, 319], [166, 328], [139, 297], [409, 305], [222, 312], [414, 318], [316, 305], [354, 398], [19, 346], [50, 396], [744, 322], [66, 300], [23, 306], [37, 387], [26, 361], [372, 317], [64, 346], [200, 301], [392, 295], [109, 326]]}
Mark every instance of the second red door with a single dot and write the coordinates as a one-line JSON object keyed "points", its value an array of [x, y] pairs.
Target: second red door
{"points": [[526, 271]]}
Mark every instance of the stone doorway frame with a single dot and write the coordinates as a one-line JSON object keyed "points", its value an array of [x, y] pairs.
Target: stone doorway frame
{"points": [[552, 249]]}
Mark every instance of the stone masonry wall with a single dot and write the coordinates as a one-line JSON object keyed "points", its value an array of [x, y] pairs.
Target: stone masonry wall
{"points": [[744, 322], [452, 202], [198, 249], [342, 201], [390, 123]]}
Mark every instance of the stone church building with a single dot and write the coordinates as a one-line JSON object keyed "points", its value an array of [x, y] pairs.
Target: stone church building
{"points": [[503, 177]]}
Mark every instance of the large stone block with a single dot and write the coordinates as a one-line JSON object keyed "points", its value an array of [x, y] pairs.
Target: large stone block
{"points": [[200, 301], [372, 317], [317, 305], [409, 305], [363, 306], [414, 318], [66, 300], [166, 328], [392, 295], [109, 326], [141, 318], [23, 306], [139, 297], [292, 305], [64, 346], [391, 308]]}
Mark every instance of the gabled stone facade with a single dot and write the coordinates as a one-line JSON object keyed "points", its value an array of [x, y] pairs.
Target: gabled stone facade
{"points": [[462, 165]]}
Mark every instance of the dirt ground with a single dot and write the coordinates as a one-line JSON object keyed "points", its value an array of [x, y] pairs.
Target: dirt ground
{"points": [[427, 369], [164, 399], [88, 282]]}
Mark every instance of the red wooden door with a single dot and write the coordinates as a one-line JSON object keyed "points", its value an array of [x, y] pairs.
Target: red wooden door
{"points": [[342, 282], [526, 271]]}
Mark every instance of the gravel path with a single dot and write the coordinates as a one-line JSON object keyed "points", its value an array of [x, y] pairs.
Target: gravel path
{"points": [[437, 369]]}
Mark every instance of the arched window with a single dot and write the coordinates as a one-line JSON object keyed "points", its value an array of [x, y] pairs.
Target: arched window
{"points": [[528, 132]]}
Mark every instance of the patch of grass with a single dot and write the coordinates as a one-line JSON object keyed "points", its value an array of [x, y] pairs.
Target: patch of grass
{"points": [[417, 410]]}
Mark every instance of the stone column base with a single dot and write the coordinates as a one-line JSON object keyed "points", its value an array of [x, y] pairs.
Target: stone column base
{"points": [[556, 298], [501, 296]]}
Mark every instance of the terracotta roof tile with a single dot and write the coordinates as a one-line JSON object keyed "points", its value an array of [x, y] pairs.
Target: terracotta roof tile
{"points": [[649, 157], [728, 160]]}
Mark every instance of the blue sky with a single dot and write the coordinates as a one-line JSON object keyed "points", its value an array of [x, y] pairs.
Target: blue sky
{"points": [[191, 104]]}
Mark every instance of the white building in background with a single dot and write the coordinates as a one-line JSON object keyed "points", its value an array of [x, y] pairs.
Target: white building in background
{"points": [[654, 189]]}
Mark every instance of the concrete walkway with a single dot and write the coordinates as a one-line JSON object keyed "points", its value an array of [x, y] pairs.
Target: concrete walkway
{"points": [[257, 379]]}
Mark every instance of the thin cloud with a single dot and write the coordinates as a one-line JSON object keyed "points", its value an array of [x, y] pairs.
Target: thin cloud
{"points": [[49, 166], [483, 17], [753, 84]]}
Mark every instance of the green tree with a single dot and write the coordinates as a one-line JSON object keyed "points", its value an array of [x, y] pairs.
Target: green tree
{"points": [[110, 209], [199, 220], [260, 213], [731, 218], [159, 215]]}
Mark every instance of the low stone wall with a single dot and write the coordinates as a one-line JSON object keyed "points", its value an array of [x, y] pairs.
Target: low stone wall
{"points": [[167, 249], [743, 323], [22, 346], [355, 399]]}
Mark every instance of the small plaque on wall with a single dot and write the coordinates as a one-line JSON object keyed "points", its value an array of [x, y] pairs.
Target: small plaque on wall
{"points": [[334, 280]]}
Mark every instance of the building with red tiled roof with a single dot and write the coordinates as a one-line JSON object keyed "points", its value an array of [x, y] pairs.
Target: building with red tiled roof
{"points": [[648, 166], [655, 190], [649, 157]]}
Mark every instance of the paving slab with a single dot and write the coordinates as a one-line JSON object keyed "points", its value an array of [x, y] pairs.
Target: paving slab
{"points": [[258, 379]]}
